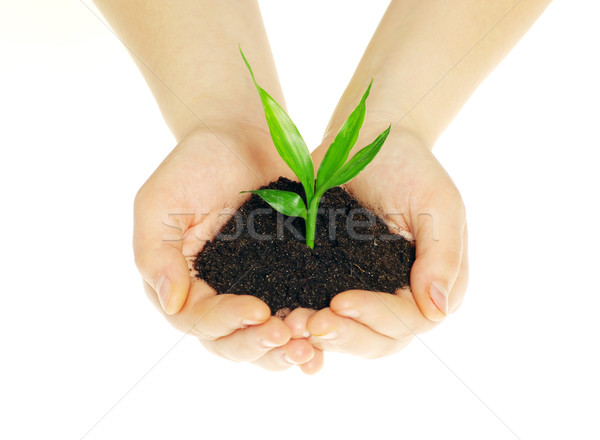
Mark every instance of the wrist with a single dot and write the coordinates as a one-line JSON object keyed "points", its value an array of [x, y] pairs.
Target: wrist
{"points": [[239, 139], [380, 114], [216, 113], [401, 136]]}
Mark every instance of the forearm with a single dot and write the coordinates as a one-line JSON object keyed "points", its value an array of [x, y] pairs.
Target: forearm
{"points": [[428, 57], [188, 54]]}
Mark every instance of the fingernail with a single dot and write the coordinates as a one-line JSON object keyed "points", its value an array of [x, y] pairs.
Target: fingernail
{"points": [[163, 288], [439, 296], [328, 336], [268, 344], [289, 360], [349, 313]]}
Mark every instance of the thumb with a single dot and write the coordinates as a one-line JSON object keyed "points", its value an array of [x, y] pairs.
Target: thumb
{"points": [[160, 262], [438, 228], [165, 269]]}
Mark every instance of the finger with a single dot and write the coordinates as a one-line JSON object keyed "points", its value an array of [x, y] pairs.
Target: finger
{"points": [[158, 255], [297, 320], [252, 343], [295, 352], [438, 228], [460, 286], [395, 316], [332, 332], [315, 364], [165, 269], [220, 315]]}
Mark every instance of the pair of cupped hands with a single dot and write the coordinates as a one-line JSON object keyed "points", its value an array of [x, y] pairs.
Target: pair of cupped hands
{"points": [[196, 189]]}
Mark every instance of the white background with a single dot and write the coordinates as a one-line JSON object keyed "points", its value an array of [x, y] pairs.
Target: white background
{"points": [[82, 349]]}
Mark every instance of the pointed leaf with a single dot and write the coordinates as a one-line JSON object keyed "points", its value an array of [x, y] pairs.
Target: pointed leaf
{"points": [[358, 163], [288, 142], [338, 151], [286, 202]]}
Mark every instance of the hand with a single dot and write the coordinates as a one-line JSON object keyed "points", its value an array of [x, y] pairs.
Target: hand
{"points": [[407, 187], [185, 202]]}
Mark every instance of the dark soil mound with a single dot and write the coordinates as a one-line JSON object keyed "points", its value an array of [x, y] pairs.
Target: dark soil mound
{"points": [[262, 252]]}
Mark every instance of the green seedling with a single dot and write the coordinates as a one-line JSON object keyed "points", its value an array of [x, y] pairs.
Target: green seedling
{"points": [[334, 170]]}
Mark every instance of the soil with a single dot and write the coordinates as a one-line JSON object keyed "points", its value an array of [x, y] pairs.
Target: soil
{"points": [[262, 252]]}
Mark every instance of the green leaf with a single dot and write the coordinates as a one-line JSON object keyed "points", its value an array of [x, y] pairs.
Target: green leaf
{"points": [[286, 202], [288, 142], [338, 151], [358, 163]]}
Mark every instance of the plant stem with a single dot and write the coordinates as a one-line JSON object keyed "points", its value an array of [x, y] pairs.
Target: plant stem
{"points": [[311, 220]]}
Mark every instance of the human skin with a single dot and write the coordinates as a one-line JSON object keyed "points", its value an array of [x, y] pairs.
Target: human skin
{"points": [[188, 54], [425, 59], [407, 187], [175, 212]]}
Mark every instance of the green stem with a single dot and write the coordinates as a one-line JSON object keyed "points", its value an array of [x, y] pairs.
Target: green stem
{"points": [[311, 220]]}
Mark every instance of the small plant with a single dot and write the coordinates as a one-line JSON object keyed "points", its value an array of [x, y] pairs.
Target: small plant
{"points": [[334, 170]]}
